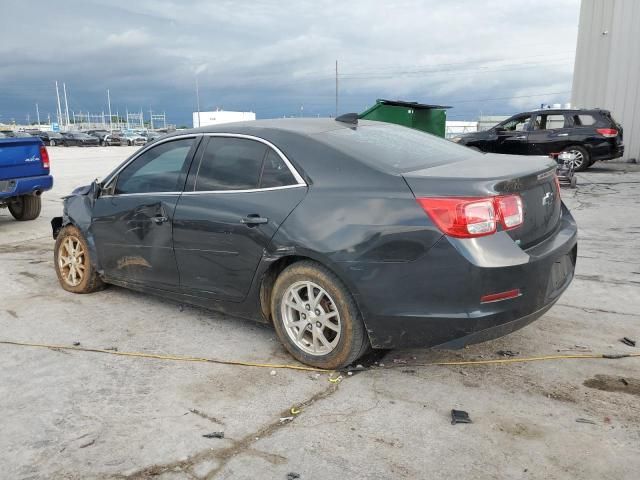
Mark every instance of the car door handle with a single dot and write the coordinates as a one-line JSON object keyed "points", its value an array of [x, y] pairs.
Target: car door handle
{"points": [[254, 219], [563, 135], [159, 219], [520, 137]]}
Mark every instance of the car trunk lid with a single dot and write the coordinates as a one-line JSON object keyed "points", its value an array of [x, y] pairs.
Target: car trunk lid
{"points": [[533, 178]]}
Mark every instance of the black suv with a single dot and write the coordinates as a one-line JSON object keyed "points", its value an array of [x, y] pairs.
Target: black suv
{"points": [[590, 135]]}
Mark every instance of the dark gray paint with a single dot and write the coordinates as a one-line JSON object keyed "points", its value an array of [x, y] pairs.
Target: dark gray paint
{"points": [[414, 286]]}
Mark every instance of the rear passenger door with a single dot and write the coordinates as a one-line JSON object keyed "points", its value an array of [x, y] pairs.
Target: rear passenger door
{"points": [[551, 133], [239, 191]]}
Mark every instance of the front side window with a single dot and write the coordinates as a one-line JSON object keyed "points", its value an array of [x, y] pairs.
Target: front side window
{"points": [[159, 169], [517, 124], [230, 164]]}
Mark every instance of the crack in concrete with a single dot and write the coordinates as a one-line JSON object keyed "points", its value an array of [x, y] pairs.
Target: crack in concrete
{"points": [[223, 456], [595, 310]]}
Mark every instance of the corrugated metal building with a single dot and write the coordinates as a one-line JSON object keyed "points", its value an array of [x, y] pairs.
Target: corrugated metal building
{"points": [[607, 68]]}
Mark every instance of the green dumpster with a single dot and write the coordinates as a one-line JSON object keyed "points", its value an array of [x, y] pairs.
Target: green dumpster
{"points": [[428, 118]]}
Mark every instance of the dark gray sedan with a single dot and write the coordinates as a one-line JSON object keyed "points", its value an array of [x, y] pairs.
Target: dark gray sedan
{"points": [[345, 235]]}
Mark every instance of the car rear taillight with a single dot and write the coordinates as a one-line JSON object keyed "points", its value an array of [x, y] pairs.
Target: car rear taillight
{"points": [[607, 132], [473, 217], [44, 157], [510, 209]]}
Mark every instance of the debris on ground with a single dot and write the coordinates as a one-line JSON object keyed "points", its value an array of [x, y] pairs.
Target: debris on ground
{"points": [[284, 420], [507, 353], [295, 411], [113, 349], [76, 344], [181, 307], [459, 416], [214, 435], [272, 373], [624, 382], [88, 444], [585, 420], [400, 360], [293, 476], [628, 341], [337, 379], [579, 348]]}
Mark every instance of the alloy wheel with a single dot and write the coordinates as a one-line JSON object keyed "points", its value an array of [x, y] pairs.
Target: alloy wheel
{"points": [[72, 261], [311, 318], [578, 158]]}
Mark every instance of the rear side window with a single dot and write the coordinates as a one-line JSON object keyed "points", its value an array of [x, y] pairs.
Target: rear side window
{"points": [[584, 120], [230, 164], [395, 149], [275, 172], [549, 122]]}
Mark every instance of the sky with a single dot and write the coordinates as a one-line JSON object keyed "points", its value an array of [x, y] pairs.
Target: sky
{"points": [[277, 58]]}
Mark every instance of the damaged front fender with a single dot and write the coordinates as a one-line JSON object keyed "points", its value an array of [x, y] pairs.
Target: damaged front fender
{"points": [[77, 211]]}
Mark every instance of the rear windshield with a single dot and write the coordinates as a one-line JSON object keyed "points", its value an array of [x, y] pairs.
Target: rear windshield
{"points": [[395, 149]]}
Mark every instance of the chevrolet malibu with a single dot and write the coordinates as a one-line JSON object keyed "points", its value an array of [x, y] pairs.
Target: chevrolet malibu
{"points": [[344, 234]]}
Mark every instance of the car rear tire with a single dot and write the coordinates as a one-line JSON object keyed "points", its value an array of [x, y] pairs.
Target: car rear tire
{"points": [[316, 317], [73, 264], [25, 207], [582, 160]]}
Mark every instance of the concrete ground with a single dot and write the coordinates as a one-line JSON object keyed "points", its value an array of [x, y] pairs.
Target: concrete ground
{"points": [[86, 415]]}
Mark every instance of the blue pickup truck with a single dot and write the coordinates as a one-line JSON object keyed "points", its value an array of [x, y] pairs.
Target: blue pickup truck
{"points": [[24, 175]]}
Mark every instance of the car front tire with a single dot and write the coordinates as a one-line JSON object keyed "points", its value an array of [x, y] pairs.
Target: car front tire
{"points": [[52, 143], [316, 318], [73, 263]]}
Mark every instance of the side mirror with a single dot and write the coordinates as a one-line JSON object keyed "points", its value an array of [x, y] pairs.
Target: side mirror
{"points": [[499, 130]]}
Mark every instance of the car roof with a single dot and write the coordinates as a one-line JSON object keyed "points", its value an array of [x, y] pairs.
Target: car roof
{"points": [[562, 110], [302, 126]]}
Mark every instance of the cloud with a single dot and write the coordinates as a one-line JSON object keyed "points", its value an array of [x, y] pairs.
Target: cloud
{"points": [[272, 57], [129, 38]]}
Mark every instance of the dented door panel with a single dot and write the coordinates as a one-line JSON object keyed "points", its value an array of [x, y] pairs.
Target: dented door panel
{"points": [[134, 239]]}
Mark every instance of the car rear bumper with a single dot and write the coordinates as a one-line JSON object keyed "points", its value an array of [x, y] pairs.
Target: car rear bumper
{"points": [[25, 186], [435, 300], [607, 153]]}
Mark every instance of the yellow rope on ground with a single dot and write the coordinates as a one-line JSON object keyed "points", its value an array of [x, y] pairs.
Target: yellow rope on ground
{"points": [[530, 359], [313, 369], [165, 357]]}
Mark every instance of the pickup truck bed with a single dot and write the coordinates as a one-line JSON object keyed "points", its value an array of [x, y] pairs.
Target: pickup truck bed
{"points": [[24, 175]]}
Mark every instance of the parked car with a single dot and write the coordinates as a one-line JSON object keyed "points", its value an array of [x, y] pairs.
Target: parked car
{"points": [[113, 139], [15, 134], [132, 138], [151, 136], [361, 234], [79, 139], [51, 138], [24, 175], [99, 134], [590, 135]]}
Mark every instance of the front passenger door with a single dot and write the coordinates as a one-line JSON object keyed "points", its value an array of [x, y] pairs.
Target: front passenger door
{"points": [[131, 221], [512, 136]]}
